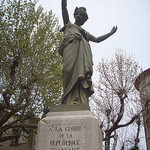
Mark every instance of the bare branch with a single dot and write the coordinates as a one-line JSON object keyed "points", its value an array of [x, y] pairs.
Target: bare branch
{"points": [[130, 122], [120, 115]]}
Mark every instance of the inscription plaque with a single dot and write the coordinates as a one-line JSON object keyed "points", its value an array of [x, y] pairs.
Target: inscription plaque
{"points": [[66, 137]]}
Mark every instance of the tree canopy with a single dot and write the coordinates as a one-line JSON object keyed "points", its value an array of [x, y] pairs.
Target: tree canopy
{"points": [[30, 67]]}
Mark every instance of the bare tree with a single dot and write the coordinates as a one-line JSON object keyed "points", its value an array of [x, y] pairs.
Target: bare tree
{"points": [[116, 102]]}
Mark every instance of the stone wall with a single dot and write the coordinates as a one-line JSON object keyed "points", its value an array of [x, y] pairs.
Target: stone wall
{"points": [[142, 84]]}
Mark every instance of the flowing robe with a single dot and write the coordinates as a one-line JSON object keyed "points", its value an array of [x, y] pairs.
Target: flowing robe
{"points": [[77, 65]]}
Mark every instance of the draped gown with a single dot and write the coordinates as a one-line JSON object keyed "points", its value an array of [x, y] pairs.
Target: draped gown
{"points": [[77, 65]]}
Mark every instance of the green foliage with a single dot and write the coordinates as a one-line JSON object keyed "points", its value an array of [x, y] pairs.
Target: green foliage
{"points": [[30, 67]]}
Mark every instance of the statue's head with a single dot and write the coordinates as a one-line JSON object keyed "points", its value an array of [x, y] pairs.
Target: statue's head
{"points": [[80, 15]]}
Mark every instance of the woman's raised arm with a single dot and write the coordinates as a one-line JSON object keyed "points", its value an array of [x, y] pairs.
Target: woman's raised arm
{"points": [[103, 37], [65, 14]]}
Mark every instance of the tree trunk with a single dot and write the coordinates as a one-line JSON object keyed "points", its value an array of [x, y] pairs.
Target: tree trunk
{"points": [[107, 142], [115, 140]]}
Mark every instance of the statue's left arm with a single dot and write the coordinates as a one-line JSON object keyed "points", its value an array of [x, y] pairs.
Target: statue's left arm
{"points": [[103, 37]]}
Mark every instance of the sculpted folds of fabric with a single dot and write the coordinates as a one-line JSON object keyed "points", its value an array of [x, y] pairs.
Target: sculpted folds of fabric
{"points": [[77, 65]]}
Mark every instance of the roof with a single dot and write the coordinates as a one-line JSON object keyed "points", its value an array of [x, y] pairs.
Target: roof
{"points": [[142, 76]]}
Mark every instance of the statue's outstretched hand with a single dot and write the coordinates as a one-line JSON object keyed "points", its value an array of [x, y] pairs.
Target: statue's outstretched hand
{"points": [[114, 29]]}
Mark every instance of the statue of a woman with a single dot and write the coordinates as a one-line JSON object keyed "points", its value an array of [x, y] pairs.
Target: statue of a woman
{"points": [[77, 57]]}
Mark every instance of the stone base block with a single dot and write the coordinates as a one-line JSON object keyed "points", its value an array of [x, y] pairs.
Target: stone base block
{"points": [[70, 130]]}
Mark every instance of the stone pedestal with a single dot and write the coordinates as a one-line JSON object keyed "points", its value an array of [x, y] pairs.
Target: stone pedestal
{"points": [[69, 130]]}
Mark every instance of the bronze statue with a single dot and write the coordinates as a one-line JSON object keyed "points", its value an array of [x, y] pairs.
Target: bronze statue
{"points": [[77, 57]]}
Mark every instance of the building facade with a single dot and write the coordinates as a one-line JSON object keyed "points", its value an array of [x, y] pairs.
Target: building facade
{"points": [[18, 140], [142, 84]]}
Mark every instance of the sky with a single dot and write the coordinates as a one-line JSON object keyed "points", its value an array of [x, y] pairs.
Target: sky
{"points": [[132, 18]]}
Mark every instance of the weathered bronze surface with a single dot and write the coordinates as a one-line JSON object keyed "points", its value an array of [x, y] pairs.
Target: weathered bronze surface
{"points": [[77, 57]]}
